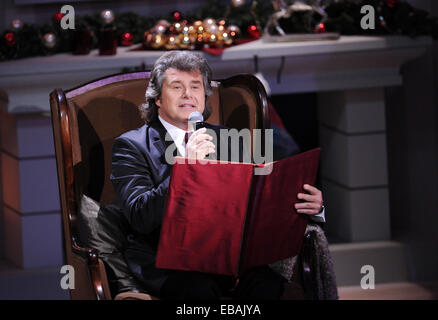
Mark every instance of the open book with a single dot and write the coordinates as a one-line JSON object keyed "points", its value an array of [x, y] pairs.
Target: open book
{"points": [[224, 219]]}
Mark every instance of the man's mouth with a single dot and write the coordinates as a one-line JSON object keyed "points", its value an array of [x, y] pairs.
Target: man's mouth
{"points": [[187, 105]]}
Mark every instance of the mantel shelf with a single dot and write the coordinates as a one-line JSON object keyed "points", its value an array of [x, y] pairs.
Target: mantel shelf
{"points": [[289, 67]]}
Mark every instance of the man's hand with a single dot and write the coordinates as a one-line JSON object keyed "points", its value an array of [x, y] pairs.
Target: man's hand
{"points": [[199, 145], [312, 202]]}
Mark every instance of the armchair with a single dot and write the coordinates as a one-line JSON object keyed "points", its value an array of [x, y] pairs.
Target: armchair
{"points": [[86, 120]]}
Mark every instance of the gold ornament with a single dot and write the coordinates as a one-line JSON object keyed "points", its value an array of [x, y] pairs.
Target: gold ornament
{"points": [[185, 30], [199, 42], [176, 28], [172, 43], [206, 36], [185, 43], [227, 39], [158, 41], [192, 29]]}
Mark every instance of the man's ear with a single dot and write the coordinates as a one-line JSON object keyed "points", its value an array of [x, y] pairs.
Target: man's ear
{"points": [[158, 102]]}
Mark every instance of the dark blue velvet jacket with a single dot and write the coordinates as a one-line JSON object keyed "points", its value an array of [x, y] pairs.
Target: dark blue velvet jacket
{"points": [[140, 176]]}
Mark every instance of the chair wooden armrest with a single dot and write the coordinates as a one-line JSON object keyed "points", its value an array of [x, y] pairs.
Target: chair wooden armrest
{"points": [[134, 296], [96, 268]]}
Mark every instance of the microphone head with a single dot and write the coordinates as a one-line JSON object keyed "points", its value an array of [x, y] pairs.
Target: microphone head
{"points": [[196, 116], [197, 120]]}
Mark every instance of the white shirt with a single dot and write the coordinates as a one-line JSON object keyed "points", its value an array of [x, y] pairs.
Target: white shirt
{"points": [[178, 135]]}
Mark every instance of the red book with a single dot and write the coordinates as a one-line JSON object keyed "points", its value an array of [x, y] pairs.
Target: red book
{"points": [[223, 218]]}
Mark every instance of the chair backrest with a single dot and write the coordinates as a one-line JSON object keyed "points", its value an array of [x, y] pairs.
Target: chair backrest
{"points": [[87, 119]]}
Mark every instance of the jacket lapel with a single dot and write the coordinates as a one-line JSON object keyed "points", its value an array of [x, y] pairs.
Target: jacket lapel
{"points": [[157, 136]]}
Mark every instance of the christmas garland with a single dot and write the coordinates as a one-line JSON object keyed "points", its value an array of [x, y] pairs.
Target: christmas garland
{"points": [[213, 24]]}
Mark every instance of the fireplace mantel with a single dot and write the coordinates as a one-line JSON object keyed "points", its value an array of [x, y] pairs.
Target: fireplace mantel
{"points": [[290, 67]]}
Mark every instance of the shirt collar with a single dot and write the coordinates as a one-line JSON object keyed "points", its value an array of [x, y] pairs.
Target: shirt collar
{"points": [[176, 134]]}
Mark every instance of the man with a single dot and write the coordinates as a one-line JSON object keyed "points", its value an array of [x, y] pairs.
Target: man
{"points": [[179, 85]]}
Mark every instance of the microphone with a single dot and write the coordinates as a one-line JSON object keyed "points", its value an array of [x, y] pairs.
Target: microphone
{"points": [[197, 119]]}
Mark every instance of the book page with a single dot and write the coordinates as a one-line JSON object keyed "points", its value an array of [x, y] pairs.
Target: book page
{"points": [[275, 230], [204, 217]]}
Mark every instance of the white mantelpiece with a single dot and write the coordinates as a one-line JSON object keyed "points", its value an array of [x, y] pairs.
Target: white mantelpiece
{"points": [[349, 75], [348, 63]]}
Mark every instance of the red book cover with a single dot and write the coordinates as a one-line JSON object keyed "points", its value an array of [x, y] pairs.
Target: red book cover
{"points": [[226, 217]]}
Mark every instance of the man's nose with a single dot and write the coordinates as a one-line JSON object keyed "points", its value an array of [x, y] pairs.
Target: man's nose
{"points": [[187, 93]]}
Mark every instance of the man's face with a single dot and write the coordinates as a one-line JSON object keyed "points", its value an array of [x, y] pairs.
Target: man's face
{"points": [[181, 94]]}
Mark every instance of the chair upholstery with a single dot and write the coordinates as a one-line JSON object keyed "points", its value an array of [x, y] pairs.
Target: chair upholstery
{"points": [[87, 119]]}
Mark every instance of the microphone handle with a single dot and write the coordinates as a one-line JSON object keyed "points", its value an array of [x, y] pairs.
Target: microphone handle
{"points": [[199, 125]]}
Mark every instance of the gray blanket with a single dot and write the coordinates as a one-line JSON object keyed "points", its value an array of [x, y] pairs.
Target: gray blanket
{"points": [[314, 267]]}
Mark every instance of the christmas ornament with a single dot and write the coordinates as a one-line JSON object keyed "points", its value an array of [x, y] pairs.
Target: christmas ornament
{"points": [[212, 41], [253, 31], [172, 43], [49, 40], [127, 39], [161, 26], [382, 21], [16, 24], [320, 28], [185, 42], [197, 23], [147, 39], [233, 31], [176, 28], [176, 15], [200, 30], [208, 21], [392, 3], [107, 16], [57, 17], [227, 39], [158, 41], [212, 28], [238, 3], [199, 42], [10, 39]]}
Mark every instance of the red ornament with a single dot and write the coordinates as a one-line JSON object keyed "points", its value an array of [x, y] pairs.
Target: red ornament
{"points": [[57, 17], [320, 28], [253, 31], [392, 3], [127, 39], [10, 39], [176, 15]]}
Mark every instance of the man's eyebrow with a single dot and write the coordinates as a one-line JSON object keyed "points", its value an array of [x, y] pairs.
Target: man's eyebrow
{"points": [[180, 82]]}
